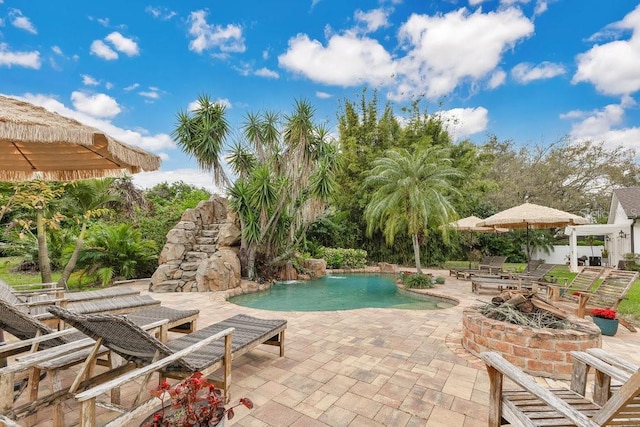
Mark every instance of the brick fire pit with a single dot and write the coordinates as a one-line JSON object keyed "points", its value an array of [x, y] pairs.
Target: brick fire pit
{"points": [[540, 352]]}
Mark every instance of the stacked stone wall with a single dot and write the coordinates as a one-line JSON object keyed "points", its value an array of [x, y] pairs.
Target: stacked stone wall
{"points": [[201, 251]]}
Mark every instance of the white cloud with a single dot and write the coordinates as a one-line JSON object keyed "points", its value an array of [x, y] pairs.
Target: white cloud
{"points": [[19, 59], [100, 49], [88, 80], [193, 177], [526, 72], [613, 67], [347, 60], [265, 72], [108, 85], [161, 13], [208, 36], [57, 50], [132, 87], [97, 105], [497, 79], [478, 40], [265, 54], [323, 95], [18, 20], [604, 125], [463, 122], [139, 138], [123, 44], [373, 19], [151, 94], [103, 21]]}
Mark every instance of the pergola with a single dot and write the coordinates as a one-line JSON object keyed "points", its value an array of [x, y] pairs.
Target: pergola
{"points": [[616, 234]]}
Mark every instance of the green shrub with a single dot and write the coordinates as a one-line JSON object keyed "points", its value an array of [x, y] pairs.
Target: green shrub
{"points": [[417, 281], [440, 280], [344, 258]]}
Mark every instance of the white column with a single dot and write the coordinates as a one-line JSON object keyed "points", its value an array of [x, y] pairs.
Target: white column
{"points": [[573, 250]]}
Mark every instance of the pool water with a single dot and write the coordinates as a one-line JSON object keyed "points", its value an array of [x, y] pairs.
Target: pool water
{"points": [[330, 293]]}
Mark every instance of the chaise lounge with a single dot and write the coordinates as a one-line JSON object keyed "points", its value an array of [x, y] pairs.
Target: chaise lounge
{"points": [[199, 351]]}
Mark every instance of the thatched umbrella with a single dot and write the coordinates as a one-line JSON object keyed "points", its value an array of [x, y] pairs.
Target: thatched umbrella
{"points": [[529, 215], [470, 225], [38, 144]]}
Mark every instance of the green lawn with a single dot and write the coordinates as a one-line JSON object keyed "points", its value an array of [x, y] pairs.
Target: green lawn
{"points": [[10, 276]]}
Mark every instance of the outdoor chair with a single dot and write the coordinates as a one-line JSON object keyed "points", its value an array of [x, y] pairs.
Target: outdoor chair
{"points": [[62, 349], [461, 271], [608, 294], [531, 280], [582, 282], [533, 405], [36, 301], [199, 351]]}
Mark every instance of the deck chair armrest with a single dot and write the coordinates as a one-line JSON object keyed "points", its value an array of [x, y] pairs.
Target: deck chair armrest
{"points": [[601, 365], [500, 366], [43, 302], [19, 346], [25, 362], [553, 291], [614, 360], [137, 373]]}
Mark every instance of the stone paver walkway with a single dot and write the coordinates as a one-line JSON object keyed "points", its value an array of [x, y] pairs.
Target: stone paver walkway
{"points": [[365, 367]]}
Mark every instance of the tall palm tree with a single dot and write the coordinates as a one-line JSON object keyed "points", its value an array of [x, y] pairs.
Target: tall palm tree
{"points": [[282, 188], [202, 136], [411, 194]]}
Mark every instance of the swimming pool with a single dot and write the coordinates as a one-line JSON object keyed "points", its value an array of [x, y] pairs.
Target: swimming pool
{"points": [[346, 292]]}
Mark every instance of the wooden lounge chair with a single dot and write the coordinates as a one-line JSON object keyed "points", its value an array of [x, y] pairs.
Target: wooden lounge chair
{"points": [[582, 282], [461, 271], [69, 347], [609, 293], [531, 280], [177, 358], [533, 405]]}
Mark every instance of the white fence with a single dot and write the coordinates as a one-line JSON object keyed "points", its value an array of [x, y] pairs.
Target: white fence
{"points": [[560, 253]]}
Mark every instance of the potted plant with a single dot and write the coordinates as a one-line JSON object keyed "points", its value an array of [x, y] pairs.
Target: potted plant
{"points": [[606, 319], [187, 409], [605, 257]]}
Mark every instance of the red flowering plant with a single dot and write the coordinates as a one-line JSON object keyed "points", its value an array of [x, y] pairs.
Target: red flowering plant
{"points": [[605, 313], [190, 409]]}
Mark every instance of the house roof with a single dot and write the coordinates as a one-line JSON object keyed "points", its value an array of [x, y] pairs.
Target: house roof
{"points": [[629, 199]]}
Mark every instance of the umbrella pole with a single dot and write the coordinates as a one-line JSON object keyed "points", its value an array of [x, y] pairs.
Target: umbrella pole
{"points": [[528, 253]]}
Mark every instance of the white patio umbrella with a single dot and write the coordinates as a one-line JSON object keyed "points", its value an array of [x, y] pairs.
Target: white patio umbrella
{"points": [[529, 215], [36, 143]]}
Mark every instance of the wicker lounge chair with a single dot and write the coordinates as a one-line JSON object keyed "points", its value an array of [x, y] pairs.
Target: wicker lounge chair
{"points": [[461, 271], [66, 348], [35, 302], [533, 405], [177, 358]]}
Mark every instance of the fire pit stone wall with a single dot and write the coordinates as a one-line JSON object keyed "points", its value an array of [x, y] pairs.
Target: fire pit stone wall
{"points": [[539, 352]]}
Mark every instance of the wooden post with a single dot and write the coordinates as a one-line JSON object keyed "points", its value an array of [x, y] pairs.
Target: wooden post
{"points": [[495, 397], [88, 413]]}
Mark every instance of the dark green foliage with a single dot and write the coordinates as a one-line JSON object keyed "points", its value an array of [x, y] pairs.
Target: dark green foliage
{"points": [[417, 281], [114, 252], [440, 280], [166, 204], [343, 258]]}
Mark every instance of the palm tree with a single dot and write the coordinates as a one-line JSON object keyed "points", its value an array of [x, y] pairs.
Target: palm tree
{"points": [[89, 200], [202, 136], [411, 194], [285, 177]]}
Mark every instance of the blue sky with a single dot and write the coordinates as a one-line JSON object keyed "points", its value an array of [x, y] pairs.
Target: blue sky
{"points": [[532, 71]]}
